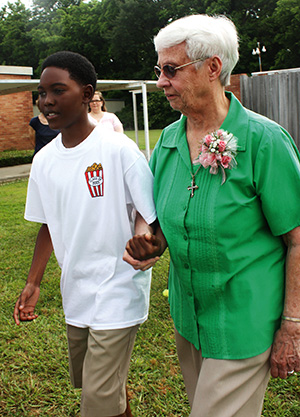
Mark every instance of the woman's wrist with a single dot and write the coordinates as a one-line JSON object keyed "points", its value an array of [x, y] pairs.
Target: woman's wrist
{"points": [[289, 318]]}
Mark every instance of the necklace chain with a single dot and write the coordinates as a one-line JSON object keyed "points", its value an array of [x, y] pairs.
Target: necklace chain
{"points": [[193, 185]]}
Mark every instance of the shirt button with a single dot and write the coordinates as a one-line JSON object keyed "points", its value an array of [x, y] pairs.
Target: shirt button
{"points": [[186, 266], [185, 237]]}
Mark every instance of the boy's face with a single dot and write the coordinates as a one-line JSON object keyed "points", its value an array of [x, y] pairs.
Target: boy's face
{"points": [[61, 99]]}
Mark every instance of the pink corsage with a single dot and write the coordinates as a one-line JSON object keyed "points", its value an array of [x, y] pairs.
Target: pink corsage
{"points": [[218, 150]]}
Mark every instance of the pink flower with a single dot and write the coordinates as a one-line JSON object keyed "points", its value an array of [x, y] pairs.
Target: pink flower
{"points": [[206, 159], [222, 146], [208, 139], [218, 150], [226, 159]]}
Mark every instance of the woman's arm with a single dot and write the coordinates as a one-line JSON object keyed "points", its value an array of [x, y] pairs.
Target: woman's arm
{"points": [[285, 356]]}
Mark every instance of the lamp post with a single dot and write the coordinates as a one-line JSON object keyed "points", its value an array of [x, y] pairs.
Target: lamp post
{"points": [[258, 52]]}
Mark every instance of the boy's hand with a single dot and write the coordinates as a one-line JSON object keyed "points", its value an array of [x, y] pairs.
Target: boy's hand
{"points": [[142, 251], [143, 247], [24, 308]]}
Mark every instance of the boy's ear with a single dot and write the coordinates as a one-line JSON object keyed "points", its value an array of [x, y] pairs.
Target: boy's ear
{"points": [[88, 93]]}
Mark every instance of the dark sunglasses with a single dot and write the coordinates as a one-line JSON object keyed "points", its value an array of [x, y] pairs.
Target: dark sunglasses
{"points": [[170, 70]]}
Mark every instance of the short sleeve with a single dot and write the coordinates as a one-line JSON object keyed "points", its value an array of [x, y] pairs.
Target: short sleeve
{"points": [[277, 180], [139, 186], [34, 211], [116, 122]]}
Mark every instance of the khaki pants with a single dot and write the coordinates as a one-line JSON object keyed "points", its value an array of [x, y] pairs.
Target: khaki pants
{"points": [[223, 388], [99, 362]]}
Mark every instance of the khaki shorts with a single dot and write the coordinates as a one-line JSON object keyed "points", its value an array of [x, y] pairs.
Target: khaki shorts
{"points": [[99, 362], [223, 388]]}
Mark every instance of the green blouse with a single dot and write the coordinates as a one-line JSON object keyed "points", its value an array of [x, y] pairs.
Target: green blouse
{"points": [[226, 281]]}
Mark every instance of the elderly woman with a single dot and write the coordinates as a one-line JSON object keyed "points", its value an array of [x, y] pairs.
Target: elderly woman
{"points": [[227, 193]]}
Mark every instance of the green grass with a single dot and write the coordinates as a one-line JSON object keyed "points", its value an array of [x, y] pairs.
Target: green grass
{"points": [[34, 360], [153, 137]]}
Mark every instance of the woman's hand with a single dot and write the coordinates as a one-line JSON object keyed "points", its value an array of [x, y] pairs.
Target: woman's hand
{"points": [[285, 356]]}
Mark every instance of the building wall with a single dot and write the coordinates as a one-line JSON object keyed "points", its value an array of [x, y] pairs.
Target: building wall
{"points": [[235, 86], [16, 110]]}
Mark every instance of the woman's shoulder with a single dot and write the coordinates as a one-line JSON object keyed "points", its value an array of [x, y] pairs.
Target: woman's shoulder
{"points": [[34, 121]]}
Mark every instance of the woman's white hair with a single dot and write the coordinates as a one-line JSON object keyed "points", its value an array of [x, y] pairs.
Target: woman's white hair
{"points": [[204, 36]]}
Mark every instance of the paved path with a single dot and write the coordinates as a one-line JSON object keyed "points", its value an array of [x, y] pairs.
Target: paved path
{"points": [[13, 173]]}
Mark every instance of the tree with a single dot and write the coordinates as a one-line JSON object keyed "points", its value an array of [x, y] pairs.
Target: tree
{"points": [[131, 39], [15, 46], [287, 23], [51, 5]]}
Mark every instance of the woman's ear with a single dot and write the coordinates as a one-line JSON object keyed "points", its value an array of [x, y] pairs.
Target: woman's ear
{"points": [[215, 67], [88, 93]]}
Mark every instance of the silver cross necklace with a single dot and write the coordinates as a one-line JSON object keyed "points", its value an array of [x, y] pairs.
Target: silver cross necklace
{"points": [[193, 185]]}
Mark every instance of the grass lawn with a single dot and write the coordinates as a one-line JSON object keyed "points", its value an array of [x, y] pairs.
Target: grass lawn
{"points": [[34, 360], [153, 137]]}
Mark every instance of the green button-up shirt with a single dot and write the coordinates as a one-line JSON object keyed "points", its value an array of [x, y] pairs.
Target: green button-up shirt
{"points": [[226, 281]]}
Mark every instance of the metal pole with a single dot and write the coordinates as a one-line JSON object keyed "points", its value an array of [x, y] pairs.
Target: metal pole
{"points": [[135, 119], [146, 125]]}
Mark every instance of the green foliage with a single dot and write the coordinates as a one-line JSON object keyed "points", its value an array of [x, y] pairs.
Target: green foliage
{"points": [[287, 16], [117, 36], [11, 158], [160, 113], [160, 110], [15, 48]]}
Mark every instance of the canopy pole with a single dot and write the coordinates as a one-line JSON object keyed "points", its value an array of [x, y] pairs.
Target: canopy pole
{"points": [[135, 119], [146, 124]]}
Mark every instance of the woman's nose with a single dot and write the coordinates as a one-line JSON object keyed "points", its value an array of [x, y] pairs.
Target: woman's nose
{"points": [[162, 81]]}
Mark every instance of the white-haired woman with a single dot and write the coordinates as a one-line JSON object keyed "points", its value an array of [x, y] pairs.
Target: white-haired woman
{"points": [[226, 187]]}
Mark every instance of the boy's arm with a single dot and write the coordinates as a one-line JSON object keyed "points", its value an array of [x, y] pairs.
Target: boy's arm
{"points": [[146, 246], [25, 305]]}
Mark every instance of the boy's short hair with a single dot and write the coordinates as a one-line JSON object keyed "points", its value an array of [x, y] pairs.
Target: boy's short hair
{"points": [[80, 68]]}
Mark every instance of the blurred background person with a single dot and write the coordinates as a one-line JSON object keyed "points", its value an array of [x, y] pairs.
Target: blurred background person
{"points": [[98, 112], [43, 133]]}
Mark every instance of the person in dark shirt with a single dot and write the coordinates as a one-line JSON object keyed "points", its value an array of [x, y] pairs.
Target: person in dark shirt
{"points": [[43, 133]]}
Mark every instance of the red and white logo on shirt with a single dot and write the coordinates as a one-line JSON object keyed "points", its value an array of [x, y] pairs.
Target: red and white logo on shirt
{"points": [[95, 180]]}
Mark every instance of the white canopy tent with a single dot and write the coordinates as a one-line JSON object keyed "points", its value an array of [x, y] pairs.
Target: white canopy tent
{"points": [[134, 86]]}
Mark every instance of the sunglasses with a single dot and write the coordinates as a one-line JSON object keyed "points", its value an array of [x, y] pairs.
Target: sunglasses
{"points": [[170, 71], [95, 101]]}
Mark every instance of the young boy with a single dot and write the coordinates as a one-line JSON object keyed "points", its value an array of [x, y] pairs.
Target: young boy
{"points": [[84, 187]]}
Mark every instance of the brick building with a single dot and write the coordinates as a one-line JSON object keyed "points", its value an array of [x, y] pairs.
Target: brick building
{"points": [[16, 110]]}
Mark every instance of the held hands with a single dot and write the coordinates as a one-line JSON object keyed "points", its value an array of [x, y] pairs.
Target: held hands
{"points": [[25, 305], [285, 356], [143, 251]]}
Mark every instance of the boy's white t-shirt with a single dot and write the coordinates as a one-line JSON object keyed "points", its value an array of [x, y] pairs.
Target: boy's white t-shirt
{"points": [[86, 196]]}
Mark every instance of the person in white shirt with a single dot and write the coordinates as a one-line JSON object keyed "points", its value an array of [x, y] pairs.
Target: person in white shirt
{"points": [[86, 188], [100, 114]]}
